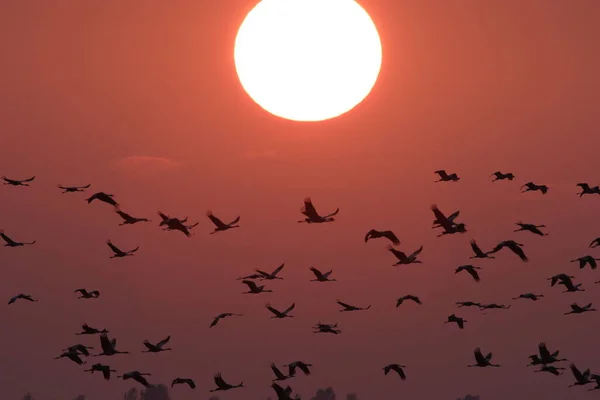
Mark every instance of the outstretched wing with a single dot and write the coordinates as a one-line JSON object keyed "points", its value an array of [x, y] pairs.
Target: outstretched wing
{"points": [[400, 255], [114, 248], [163, 342], [544, 351], [278, 269], [235, 221], [439, 216], [309, 209], [164, 217], [478, 356], [476, 249], [251, 284], [134, 250], [123, 214], [337, 210], [317, 273], [474, 274], [220, 381], [29, 179], [218, 223], [417, 252], [344, 304], [290, 308], [391, 237], [273, 310]]}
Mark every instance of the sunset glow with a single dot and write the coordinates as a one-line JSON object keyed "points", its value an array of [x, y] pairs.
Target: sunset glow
{"points": [[307, 60]]}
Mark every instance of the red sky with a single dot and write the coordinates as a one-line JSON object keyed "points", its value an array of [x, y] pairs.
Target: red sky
{"points": [[141, 100]]}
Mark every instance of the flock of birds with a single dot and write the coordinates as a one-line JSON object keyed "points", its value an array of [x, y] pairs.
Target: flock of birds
{"points": [[447, 224]]}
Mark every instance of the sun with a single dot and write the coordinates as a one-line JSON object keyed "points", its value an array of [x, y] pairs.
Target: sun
{"points": [[307, 60]]}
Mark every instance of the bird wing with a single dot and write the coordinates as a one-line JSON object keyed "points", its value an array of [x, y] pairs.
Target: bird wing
{"points": [[476, 249], [149, 345], [273, 310], [400, 255], [518, 251], [105, 343], [474, 274], [191, 383], [439, 216], [544, 353], [124, 215], [6, 238], [304, 368], [576, 373], [441, 172], [478, 356], [164, 217], [348, 306], [278, 269], [391, 237], [114, 248], [276, 371], [29, 179], [368, 235], [416, 252], [134, 250], [290, 308], [309, 209], [220, 381], [278, 390], [215, 321], [164, 341], [337, 210], [235, 221], [250, 284], [317, 273], [218, 223]]}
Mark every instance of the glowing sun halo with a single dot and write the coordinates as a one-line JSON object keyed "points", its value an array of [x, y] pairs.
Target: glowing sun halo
{"points": [[307, 60]]}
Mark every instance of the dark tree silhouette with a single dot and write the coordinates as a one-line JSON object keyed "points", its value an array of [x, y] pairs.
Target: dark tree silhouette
{"points": [[351, 396], [80, 397], [132, 394], [155, 392], [28, 396], [325, 394], [469, 397]]}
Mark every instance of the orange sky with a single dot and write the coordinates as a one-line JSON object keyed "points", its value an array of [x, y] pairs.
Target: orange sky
{"points": [[142, 101]]}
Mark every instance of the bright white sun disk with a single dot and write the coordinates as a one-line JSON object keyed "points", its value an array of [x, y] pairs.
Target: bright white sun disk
{"points": [[307, 60]]}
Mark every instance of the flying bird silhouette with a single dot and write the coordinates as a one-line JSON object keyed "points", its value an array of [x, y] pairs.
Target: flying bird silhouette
{"points": [[481, 361], [532, 187], [348, 307], [321, 277], [219, 225], [101, 196], [16, 182], [118, 252], [12, 243], [396, 368], [389, 235], [312, 216], [472, 270], [186, 381], [499, 176], [73, 189], [221, 316], [445, 177], [222, 385], [23, 297]]}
